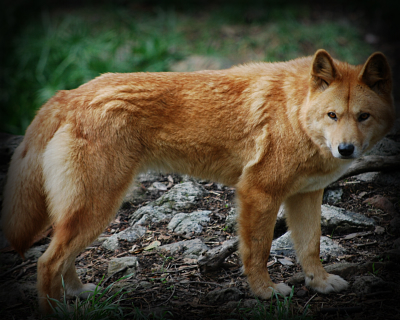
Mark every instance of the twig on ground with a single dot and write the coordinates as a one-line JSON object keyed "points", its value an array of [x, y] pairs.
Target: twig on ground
{"points": [[309, 300]]}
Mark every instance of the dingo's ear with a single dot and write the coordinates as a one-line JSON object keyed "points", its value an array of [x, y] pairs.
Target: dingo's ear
{"points": [[376, 74], [323, 70]]}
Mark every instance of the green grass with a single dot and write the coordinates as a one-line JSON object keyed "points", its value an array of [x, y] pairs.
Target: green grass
{"points": [[281, 309], [103, 304], [62, 50]]}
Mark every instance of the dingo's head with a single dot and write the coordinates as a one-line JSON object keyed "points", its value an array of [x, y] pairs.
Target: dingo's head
{"points": [[349, 108]]}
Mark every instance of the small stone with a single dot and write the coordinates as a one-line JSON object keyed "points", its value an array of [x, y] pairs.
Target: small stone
{"points": [[131, 263], [333, 196], [301, 293], [379, 230]]}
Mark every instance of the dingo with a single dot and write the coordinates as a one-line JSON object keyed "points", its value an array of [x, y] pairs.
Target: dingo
{"points": [[278, 132]]}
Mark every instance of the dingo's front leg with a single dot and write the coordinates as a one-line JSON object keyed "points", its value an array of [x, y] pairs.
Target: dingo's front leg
{"points": [[258, 212], [303, 215]]}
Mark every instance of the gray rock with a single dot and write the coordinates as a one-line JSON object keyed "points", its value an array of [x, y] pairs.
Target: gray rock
{"points": [[368, 284], [367, 177], [343, 269], [150, 214], [231, 220], [328, 247], [129, 234], [333, 196], [182, 196], [159, 186], [385, 147], [189, 249], [284, 246], [189, 223], [149, 176], [384, 178], [111, 243], [225, 294], [341, 220], [118, 264]]}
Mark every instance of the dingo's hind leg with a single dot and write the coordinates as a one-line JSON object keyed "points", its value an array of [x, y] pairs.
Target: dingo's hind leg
{"points": [[71, 236], [303, 215], [84, 182]]}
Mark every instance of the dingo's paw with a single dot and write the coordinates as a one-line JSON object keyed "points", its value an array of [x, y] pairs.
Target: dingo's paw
{"points": [[265, 292], [332, 283], [87, 290], [84, 291]]}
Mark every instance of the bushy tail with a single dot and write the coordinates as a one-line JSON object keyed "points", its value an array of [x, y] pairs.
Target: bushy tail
{"points": [[24, 207]]}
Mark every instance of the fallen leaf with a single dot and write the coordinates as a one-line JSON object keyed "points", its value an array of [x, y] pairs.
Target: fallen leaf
{"points": [[357, 234], [381, 202], [152, 245]]}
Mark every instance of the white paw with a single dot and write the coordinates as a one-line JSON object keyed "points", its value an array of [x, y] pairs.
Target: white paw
{"points": [[87, 290], [83, 291], [282, 289], [333, 283]]}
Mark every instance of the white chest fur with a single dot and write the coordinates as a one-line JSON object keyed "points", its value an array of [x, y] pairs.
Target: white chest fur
{"points": [[318, 182]]}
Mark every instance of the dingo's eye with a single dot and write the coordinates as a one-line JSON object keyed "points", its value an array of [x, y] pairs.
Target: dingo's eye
{"points": [[332, 115], [363, 117]]}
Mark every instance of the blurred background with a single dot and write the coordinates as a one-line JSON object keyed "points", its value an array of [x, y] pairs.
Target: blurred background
{"points": [[53, 45]]}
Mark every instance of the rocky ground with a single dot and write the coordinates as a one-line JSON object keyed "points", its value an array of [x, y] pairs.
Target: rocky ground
{"points": [[176, 237]]}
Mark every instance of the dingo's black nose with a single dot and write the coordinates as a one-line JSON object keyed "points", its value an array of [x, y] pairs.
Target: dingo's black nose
{"points": [[346, 149]]}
